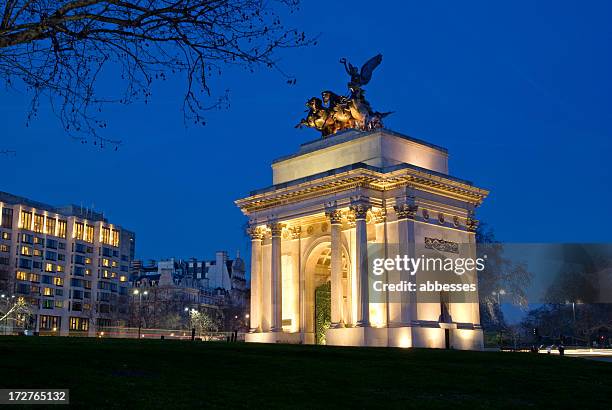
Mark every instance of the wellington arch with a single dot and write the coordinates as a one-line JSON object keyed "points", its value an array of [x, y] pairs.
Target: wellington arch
{"points": [[327, 204]]}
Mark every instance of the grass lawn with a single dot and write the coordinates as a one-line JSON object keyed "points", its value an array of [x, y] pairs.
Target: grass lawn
{"points": [[153, 373]]}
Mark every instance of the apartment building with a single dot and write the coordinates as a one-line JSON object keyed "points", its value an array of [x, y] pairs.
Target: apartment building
{"points": [[69, 263]]}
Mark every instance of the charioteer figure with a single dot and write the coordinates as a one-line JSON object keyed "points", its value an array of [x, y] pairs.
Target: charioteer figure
{"points": [[333, 112]]}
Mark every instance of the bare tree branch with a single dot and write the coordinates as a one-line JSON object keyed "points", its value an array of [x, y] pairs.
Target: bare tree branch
{"points": [[59, 49]]}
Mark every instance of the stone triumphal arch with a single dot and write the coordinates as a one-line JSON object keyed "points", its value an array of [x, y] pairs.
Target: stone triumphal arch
{"points": [[328, 202]]}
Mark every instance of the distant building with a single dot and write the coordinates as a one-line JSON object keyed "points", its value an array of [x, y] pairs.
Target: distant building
{"points": [[192, 283], [70, 263]]}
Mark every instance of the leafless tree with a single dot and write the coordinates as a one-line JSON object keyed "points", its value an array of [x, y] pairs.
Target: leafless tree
{"points": [[14, 311], [60, 48]]}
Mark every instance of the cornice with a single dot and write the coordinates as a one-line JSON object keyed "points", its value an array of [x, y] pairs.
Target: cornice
{"points": [[367, 178]]}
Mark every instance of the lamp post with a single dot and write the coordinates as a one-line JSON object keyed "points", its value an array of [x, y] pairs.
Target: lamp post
{"points": [[139, 293], [498, 293]]}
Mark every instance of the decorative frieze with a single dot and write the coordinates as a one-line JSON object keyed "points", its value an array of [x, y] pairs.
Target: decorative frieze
{"points": [[441, 218], [456, 221], [294, 232], [441, 245], [425, 214]]}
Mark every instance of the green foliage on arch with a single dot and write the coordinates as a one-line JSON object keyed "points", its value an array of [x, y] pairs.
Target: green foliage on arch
{"points": [[322, 311]]}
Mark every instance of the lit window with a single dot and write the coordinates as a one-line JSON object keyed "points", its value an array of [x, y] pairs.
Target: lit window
{"points": [[26, 220], [88, 272], [105, 262], [50, 322], [105, 235], [6, 235], [48, 267], [114, 264], [59, 304], [50, 226], [39, 223], [4, 248], [59, 268], [79, 323], [37, 252], [115, 239], [61, 228], [26, 250], [88, 261], [123, 278], [78, 230], [48, 292], [34, 277], [89, 233], [57, 281], [21, 275]]}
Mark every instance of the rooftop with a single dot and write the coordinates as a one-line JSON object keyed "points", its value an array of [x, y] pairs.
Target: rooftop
{"points": [[66, 210]]}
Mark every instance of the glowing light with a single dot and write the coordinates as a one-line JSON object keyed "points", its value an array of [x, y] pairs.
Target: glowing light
{"points": [[289, 307], [377, 315]]}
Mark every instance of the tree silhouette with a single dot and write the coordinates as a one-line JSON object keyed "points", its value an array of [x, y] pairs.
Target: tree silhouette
{"points": [[58, 49]]}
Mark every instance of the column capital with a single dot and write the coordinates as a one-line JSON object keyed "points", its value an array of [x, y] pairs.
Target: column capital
{"points": [[276, 228], [256, 233], [360, 207], [406, 211], [471, 222], [334, 216]]}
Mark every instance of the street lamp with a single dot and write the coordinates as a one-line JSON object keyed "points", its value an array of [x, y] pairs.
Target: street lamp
{"points": [[499, 293], [139, 293]]}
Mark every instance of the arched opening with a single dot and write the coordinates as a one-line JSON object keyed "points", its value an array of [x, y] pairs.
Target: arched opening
{"points": [[317, 303]]}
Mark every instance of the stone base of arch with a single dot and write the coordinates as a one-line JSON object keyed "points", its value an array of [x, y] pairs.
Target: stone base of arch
{"points": [[273, 337], [407, 336], [430, 336]]}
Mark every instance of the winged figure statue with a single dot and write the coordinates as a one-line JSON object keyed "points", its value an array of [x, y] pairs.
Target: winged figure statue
{"points": [[333, 112], [361, 78]]}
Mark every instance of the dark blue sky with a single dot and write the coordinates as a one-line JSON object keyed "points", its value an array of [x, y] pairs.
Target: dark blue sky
{"points": [[519, 92]]}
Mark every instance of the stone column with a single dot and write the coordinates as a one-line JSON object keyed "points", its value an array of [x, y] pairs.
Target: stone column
{"points": [[256, 278], [276, 278], [361, 255], [472, 225], [406, 210], [337, 296]]}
